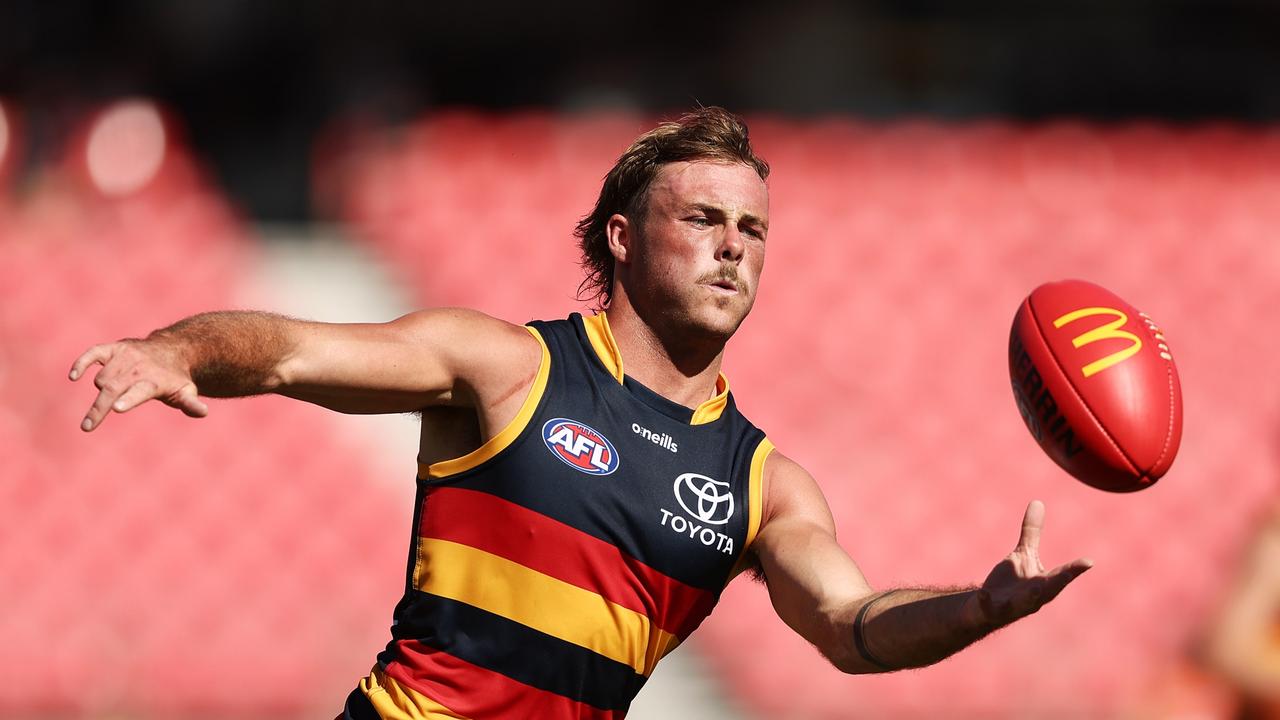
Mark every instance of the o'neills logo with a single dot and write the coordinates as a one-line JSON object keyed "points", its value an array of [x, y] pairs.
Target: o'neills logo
{"points": [[659, 439], [579, 446]]}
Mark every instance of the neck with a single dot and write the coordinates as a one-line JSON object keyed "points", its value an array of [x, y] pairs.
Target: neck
{"points": [[678, 368]]}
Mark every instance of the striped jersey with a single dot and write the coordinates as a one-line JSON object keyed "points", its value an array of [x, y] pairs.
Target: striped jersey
{"points": [[555, 565]]}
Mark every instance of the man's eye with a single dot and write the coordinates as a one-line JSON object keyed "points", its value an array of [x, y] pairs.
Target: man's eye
{"points": [[700, 221]]}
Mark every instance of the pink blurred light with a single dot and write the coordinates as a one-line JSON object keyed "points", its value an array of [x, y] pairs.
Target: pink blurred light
{"points": [[126, 148]]}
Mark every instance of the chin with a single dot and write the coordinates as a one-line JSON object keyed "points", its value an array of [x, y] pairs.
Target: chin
{"points": [[722, 321], [696, 315]]}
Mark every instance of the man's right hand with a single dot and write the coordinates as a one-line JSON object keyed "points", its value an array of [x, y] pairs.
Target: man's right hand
{"points": [[133, 372]]}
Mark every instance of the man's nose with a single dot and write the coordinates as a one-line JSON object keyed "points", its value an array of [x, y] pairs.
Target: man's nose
{"points": [[731, 245]]}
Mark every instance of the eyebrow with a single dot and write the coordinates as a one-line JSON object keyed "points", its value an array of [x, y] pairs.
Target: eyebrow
{"points": [[748, 218]]}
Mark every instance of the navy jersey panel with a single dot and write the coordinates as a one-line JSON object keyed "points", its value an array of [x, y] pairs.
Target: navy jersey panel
{"points": [[555, 570]]}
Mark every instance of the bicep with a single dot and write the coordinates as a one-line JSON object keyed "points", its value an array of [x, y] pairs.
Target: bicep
{"points": [[812, 581], [426, 358]]}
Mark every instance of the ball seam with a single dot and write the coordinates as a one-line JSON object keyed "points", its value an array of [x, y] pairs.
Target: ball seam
{"points": [[1173, 409], [1057, 363]]}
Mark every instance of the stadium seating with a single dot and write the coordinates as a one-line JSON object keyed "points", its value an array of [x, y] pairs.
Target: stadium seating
{"points": [[171, 568], [897, 256], [163, 567]]}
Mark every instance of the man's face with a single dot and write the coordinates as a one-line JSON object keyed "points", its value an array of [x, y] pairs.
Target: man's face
{"points": [[699, 250]]}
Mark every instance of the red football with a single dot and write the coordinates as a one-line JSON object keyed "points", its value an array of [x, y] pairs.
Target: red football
{"points": [[1096, 384]]}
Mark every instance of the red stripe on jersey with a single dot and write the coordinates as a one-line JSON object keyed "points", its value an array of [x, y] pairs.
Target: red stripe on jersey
{"points": [[473, 691], [487, 522]]}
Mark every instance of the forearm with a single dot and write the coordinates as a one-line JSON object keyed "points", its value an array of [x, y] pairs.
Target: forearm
{"points": [[820, 593], [229, 354], [908, 628]]}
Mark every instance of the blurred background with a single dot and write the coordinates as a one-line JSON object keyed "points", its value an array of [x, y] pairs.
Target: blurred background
{"points": [[933, 162]]}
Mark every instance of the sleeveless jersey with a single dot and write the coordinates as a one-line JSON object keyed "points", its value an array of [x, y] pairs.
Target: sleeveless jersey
{"points": [[555, 565]]}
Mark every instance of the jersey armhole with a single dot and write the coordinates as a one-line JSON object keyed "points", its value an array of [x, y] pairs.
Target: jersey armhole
{"points": [[507, 435], [755, 502]]}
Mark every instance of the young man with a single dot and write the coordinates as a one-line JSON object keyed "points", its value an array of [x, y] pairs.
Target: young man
{"points": [[587, 487]]}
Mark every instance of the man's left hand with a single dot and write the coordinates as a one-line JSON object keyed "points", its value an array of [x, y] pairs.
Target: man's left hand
{"points": [[1019, 585]]}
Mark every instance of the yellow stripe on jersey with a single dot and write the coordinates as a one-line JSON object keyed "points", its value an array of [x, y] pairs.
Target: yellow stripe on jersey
{"points": [[756, 491], [673, 642], [712, 409], [394, 701], [508, 434], [755, 502], [601, 337], [541, 602]]}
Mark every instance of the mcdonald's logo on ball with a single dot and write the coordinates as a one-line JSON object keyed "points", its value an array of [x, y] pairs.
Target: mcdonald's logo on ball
{"points": [[1095, 383]]}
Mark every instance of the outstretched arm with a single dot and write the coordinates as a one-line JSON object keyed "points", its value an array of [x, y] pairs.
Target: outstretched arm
{"points": [[819, 591], [431, 357]]}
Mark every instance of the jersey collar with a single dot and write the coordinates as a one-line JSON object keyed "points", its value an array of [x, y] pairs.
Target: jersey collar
{"points": [[601, 337]]}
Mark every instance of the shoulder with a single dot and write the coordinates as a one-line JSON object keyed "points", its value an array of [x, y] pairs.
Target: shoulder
{"points": [[489, 359], [791, 493], [468, 335], [458, 323]]}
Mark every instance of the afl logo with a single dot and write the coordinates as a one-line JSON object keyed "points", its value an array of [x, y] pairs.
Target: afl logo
{"points": [[580, 446], [708, 500]]}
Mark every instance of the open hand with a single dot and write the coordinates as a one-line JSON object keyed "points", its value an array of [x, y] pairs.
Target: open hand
{"points": [[133, 372], [1019, 584]]}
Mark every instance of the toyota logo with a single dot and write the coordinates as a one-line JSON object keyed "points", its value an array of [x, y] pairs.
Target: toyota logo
{"points": [[706, 499]]}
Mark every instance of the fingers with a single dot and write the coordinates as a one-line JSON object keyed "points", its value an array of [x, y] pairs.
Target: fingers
{"points": [[96, 354], [1061, 576], [1032, 522], [188, 401], [98, 411], [111, 397], [132, 374], [140, 392]]}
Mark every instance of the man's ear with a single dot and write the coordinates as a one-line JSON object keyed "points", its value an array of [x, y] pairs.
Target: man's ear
{"points": [[620, 233]]}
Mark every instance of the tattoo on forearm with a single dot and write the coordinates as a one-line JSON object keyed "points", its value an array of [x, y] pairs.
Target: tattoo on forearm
{"points": [[859, 640]]}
